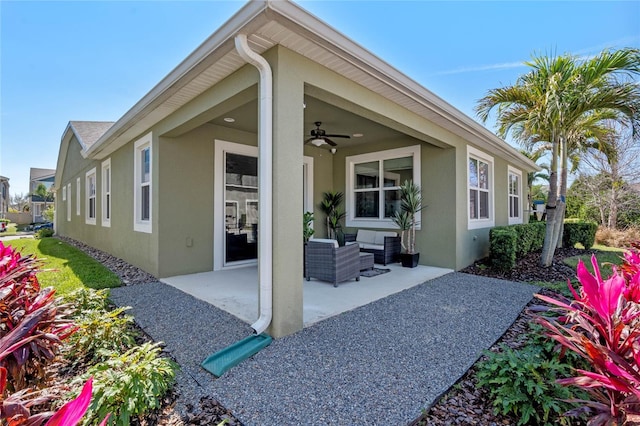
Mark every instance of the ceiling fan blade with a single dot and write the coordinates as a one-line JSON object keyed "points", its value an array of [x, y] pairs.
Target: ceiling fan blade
{"points": [[339, 136], [329, 141]]}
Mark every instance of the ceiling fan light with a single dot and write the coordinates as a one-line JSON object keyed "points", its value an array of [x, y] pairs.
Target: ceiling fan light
{"points": [[318, 142]]}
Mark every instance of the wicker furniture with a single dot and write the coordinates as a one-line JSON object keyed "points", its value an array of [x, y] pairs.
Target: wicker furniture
{"points": [[366, 261], [326, 261], [385, 246]]}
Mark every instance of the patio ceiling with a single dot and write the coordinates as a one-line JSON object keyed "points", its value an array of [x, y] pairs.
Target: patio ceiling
{"points": [[334, 120]]}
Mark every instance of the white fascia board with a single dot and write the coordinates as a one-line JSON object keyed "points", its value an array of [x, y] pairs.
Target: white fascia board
{"points": [[170, 84], [362, 58]]}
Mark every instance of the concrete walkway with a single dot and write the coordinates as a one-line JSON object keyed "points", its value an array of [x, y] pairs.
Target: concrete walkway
{"points": [[382, 363]]}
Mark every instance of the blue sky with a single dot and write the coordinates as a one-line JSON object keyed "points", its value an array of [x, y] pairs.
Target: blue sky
{"points": [[93, 60]]}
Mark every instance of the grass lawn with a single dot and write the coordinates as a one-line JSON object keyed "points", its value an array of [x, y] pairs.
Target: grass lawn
{"points": [[606, 256], [72, 268]]}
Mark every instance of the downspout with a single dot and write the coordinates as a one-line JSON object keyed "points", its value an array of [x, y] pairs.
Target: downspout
{"points": [[265, 181]]}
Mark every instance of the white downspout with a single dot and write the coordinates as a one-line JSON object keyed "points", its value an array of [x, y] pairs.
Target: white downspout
{"points": [[265, 181]]}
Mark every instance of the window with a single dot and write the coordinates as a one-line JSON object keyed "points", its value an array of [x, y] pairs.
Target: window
{"points": [[514, 181], [373, 185], [64, 193], [78, 197], [90, 186], [106, 192], [69, 202], [480, 188], [142, 190]]}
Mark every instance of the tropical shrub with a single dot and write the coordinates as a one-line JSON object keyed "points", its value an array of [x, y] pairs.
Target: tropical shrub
{"points": [[602, 325], [101, 332], [130, 385], [33, 324], [87, 299], [44, 233], [503, 248], [521, 383]]}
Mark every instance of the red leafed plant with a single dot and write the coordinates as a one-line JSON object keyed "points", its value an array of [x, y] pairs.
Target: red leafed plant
{"points": [[33, 324], [602, 325], [32, 327]]}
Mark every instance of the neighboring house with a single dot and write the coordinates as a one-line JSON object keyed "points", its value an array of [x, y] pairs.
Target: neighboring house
{"points": [[186, 181], [5, 198], [38, 203]]}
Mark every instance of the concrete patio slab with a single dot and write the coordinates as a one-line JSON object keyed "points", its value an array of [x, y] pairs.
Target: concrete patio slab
{"points": [[236, 290]]}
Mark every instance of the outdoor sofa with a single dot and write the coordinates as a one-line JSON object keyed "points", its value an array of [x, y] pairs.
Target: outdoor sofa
{"points": [[385, 245]]}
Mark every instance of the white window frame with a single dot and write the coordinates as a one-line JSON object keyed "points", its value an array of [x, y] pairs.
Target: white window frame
{"points": [[518, 173], [78, 197], [90, 197], [476, 154], [139, 224], [350, 198], [107, 200], [69, 202]]}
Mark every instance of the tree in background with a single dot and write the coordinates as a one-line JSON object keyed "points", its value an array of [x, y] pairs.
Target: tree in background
{"points": [[19, 202], [45, 195], [562, 104]]}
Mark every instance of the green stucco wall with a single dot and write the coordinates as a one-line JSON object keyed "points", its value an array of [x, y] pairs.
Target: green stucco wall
{"points": [[137, 248]]}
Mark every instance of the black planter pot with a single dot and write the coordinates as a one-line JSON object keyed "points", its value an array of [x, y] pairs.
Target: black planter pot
{"points": [[409, 260]]}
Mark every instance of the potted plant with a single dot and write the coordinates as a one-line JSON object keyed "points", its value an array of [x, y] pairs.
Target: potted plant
{"points": [[331, 207], [307, 233], [405, 219]]}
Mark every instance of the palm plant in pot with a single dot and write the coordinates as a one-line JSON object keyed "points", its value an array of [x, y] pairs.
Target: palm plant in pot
{"points": [[330, 206], [405, 219]]}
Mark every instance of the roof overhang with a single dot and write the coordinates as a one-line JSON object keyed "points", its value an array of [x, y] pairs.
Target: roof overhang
{"points": [[267, 24]]}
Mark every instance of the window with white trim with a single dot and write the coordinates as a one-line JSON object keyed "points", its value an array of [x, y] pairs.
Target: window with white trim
{"points": [[106, 193], [373, 185], [514, 182], [78, 198], [480, 189], [90, 186], [69, 202], [64, 193], [143, 185]]}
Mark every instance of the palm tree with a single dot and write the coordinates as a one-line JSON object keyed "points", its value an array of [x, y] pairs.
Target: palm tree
{"points": [[561, 102]]}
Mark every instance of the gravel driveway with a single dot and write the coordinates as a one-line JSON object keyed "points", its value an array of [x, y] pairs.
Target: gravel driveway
{"points": [[382, 363]]}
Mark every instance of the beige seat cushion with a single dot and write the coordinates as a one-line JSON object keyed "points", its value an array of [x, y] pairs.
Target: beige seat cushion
{"points": [[325, 240], [366, 236]]}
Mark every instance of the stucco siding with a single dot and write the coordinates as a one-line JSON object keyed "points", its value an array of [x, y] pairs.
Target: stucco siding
{"points": [[119, 239], [186, 215]]}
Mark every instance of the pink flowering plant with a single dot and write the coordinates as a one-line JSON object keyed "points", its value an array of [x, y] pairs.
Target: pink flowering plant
{"points": [[602, 325]]}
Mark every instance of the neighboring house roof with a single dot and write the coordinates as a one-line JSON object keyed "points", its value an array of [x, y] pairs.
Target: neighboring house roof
{"points": [[271, 23], [41, 175]]}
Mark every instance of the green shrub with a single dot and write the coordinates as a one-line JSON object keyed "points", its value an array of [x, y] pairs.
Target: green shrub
{"points": [[579, 232], [129, 385], [101, 332], [522, 384], [530, 237], [5, 221], [87, 299], [44, 233], [503, 248]]}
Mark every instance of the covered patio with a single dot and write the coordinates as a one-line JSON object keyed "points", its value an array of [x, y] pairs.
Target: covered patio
{"points": [[236, 290]]}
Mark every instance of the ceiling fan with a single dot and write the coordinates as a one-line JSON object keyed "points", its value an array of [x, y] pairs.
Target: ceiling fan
{"points": [[319, 137]]}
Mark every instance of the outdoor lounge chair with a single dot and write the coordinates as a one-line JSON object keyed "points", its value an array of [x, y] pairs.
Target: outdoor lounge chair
{"points": [[326, 261]]}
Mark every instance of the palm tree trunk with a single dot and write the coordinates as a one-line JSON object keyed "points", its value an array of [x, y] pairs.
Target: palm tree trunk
{"points": [[561, 205], [549, 246]]}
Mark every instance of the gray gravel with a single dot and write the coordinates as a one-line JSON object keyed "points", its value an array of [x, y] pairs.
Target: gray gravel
{"points": [[382, 363]]}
